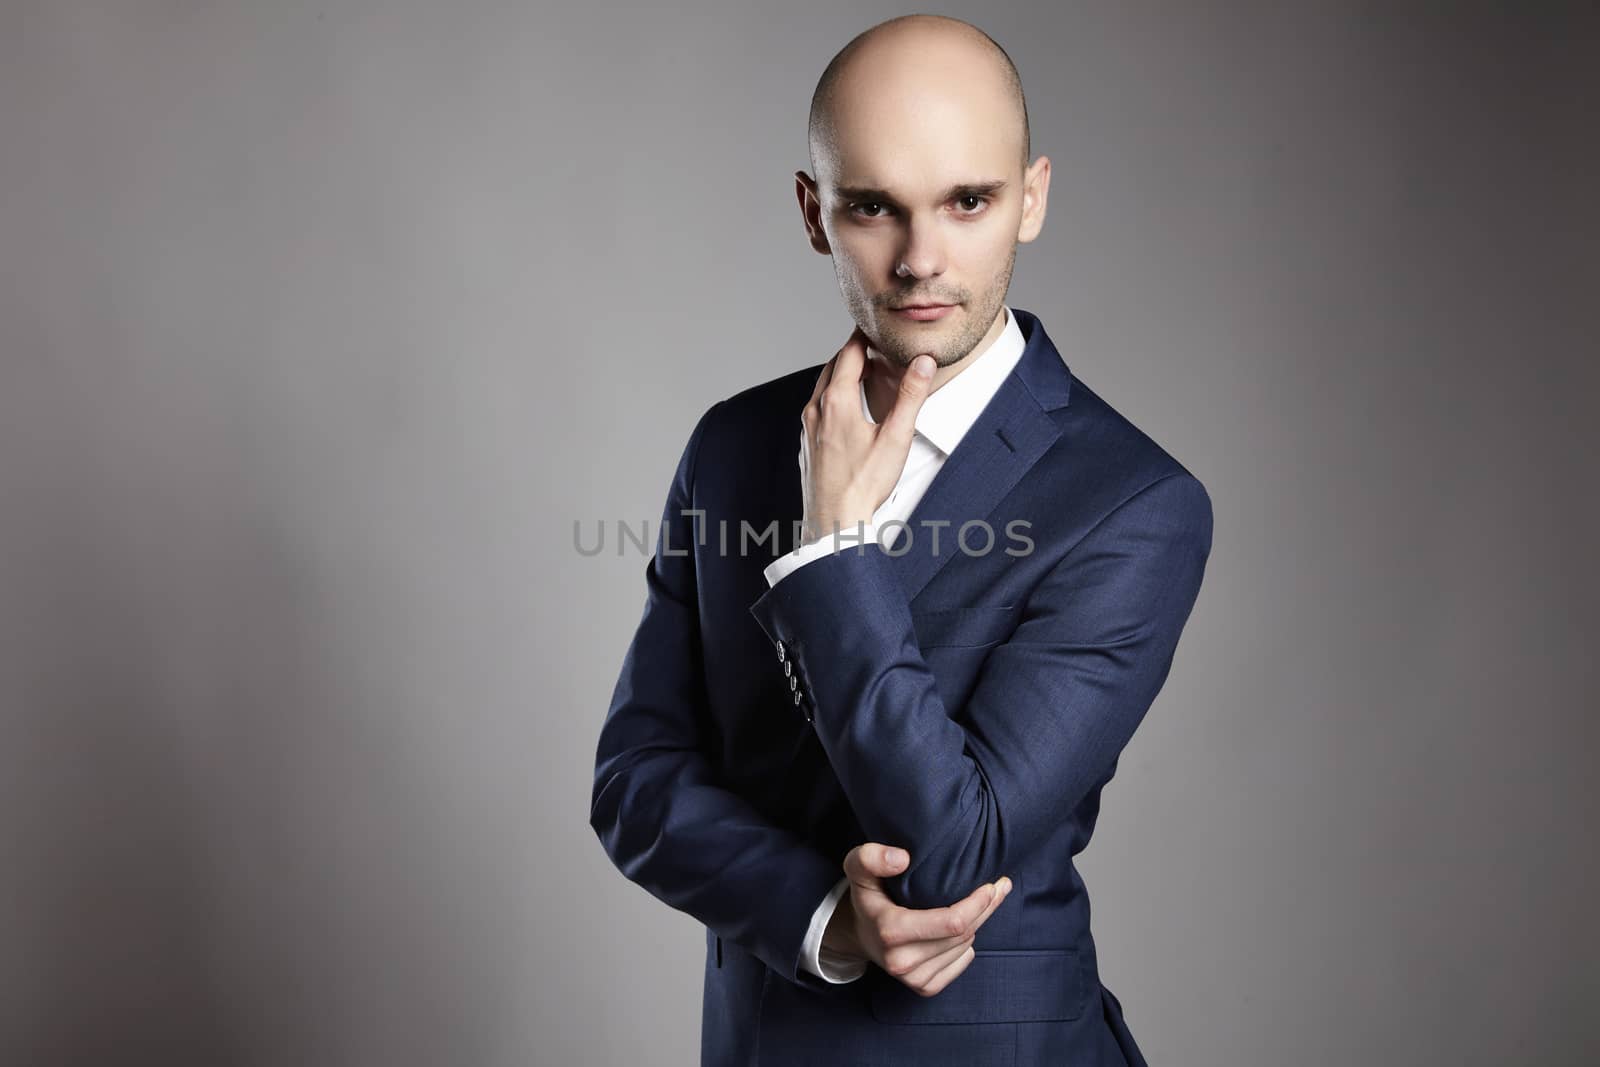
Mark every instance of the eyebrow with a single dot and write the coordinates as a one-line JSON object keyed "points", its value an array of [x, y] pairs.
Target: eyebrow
{"points": [[862, 192]]}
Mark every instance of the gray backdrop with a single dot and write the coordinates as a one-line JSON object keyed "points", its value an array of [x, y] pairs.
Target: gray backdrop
{"points": [[322, 324]]}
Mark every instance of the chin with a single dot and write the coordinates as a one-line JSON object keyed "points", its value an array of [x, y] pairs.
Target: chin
{"points": [[933, 339]]}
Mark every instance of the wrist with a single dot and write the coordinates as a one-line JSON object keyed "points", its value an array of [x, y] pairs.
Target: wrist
{"points": [[848, 531]]}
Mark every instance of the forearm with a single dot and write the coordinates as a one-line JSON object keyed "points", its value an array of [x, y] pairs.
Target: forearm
{"points": [[659, 806], [903, 764], [1047, 718], [706, 851]]}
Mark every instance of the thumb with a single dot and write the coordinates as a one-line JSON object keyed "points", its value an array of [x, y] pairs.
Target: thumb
{"points": [[876, 861], [915, 385]]}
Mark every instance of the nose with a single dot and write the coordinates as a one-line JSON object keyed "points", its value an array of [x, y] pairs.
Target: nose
{"points": [[923, 255]]}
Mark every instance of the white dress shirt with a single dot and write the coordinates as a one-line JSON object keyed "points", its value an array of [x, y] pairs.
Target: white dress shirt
{"points": [[943, 420]]}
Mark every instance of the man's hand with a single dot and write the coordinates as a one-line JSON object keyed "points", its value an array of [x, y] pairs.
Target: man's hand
{"points": [[925, 950], [851, 465]]}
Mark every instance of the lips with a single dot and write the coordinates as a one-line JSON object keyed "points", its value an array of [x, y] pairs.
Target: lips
{"points": [[923, 312]]}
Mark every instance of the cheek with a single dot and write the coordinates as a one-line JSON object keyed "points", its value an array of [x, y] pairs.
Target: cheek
{"points": [[866, 249], [987, 254], [854, 283], [854, 261]]}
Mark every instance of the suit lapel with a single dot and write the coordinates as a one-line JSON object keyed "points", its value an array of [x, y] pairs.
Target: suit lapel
{"points": [[1014, 430]]}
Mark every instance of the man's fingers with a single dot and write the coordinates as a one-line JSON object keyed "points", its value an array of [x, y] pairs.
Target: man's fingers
{"points": [[871, 859], [917, 951], [958, 918], [949, 974], [866, 865], [924, 972], [944, 943], [823, 377], [910, 961], [855, 349], [949, 921], [914, 389], [1003, 887], [848, 363]]}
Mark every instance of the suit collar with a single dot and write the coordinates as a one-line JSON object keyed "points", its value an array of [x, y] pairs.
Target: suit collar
{"points": [[1041, 367]]}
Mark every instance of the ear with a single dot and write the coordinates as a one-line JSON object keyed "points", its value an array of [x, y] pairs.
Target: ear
{"points": [[1035, 192], [805, 190]]}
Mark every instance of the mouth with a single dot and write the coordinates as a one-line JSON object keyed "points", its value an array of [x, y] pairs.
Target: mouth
{"points": [[923, 312]]}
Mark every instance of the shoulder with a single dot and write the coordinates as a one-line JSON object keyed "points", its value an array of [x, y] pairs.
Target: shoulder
{"points": [[766, 411], [779, 398], [739, 440], [1097, 436]]}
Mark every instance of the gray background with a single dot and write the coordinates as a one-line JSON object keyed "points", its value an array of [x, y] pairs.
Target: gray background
{"points": [[322, 324]]}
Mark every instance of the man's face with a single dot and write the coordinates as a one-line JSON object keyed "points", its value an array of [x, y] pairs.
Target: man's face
{"points": [[920, 201]]}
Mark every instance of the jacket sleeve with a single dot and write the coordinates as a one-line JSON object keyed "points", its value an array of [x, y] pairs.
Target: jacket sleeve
{"points": [[1048, 716], [659, 806]]}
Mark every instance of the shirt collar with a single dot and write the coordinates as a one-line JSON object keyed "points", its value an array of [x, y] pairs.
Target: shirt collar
{"points": [[950, 410]]}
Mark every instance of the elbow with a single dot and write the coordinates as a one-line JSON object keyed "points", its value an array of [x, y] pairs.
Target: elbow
{"points": [[947, 872], [953, 857], [911, 891], [605, 817], [924, 886]]}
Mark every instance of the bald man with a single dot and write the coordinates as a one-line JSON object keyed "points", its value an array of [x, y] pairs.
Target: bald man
{"points": [[865, 764]]}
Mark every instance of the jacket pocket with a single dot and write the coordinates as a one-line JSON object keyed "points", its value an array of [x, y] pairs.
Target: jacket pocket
{"points": [[964, 627], [998, 986]]}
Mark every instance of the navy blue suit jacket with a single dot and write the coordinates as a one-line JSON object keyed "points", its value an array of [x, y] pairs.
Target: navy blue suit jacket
{"points": [[968, 706]]}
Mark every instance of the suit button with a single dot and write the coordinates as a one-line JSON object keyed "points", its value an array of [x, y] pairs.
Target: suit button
{"points": [[787, 667], [780, 650], [794, 683], [797, 698]]}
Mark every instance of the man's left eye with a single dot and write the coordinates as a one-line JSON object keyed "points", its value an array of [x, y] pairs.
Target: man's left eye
{"points": [[977, 200]]}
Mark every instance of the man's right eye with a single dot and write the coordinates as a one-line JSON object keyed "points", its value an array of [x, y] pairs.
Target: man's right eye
{"points": [[866, 204]]}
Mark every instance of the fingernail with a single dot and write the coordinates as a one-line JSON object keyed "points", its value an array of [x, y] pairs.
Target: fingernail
{"points": [[922, 366], [1005, 885], [895, 856]]}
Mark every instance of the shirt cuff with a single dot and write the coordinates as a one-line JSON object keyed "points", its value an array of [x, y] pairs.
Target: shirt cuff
{"points": [[825, 963], [787, 564]]}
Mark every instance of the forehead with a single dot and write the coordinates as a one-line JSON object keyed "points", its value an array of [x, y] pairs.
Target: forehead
{"points": [[915, 133]]}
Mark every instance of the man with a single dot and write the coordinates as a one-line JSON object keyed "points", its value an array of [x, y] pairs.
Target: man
{"points": [[866, 765]]}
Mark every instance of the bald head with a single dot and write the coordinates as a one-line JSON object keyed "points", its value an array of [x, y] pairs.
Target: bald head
{"points": [[939, 47]]}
